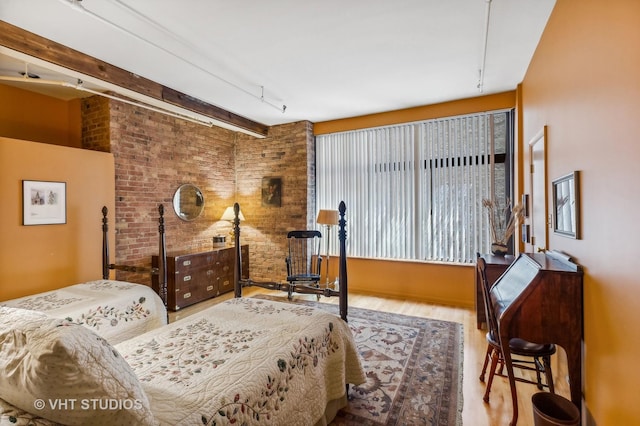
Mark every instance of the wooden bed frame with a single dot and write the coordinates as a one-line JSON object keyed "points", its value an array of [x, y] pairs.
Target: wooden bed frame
{"points": [[161, 270], [342, 291], [240, 283]]}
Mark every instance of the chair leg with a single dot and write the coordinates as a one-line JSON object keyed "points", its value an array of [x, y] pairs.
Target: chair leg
{"points": [[495, 355], [548, 373], [486, 362], [290, 291], [539, 367]]}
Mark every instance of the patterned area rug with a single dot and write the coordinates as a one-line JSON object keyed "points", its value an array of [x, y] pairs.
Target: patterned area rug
{"points": [[413, 367]]}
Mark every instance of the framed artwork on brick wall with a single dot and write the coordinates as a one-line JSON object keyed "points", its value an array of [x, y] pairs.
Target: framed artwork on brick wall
{"points": [[44, 203], [272, 191]]}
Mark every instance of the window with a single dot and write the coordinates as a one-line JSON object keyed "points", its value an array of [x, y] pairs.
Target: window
{"points": [[414, 191]]}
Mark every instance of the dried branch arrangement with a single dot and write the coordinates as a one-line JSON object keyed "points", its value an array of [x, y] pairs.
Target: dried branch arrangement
{"points": [[503, 219]]}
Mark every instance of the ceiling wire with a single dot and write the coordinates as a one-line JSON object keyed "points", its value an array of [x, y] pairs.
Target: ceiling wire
{"points": [[76, 5], [484, 46]]}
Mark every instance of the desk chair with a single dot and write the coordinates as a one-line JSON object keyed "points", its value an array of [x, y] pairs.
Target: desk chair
{"points": [[537, 357]]}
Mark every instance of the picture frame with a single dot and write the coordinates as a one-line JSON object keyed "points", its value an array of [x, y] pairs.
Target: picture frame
{"points": [[44, 202], [566, 203], [271, 191], [525, 205], [525, 231]]}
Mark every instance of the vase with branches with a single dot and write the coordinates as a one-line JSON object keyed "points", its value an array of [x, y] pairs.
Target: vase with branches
{"points": [[503, 219]]}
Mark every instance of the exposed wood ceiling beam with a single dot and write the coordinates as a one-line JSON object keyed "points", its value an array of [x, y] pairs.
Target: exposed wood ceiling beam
{"points": [[30, 44]]}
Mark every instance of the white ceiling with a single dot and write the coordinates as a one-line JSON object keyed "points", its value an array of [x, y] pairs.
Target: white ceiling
{"points": [[324, 60]]}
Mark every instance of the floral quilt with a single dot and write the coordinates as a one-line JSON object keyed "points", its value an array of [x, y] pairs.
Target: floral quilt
{"points": [[246, 361], [115, 310]]}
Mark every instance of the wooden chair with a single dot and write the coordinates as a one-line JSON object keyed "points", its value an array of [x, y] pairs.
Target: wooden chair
{"points": [[303, 259], [530, 356]]}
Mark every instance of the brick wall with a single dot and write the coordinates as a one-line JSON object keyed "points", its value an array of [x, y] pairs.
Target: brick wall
{"points": [[154, 154], [289, 153]]}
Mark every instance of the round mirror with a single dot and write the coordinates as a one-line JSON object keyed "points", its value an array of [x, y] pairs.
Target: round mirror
{"points": [[188, 202]]}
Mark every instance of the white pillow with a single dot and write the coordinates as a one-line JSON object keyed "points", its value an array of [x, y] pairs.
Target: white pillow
{"points": [[66, 373], [13, 416]]}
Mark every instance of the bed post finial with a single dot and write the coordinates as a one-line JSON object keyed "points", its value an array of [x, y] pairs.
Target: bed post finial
{"points": [[105, 244], [342, 238]]}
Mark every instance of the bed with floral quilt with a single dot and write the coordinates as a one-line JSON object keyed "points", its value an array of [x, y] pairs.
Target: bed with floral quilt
{"points": [[244, 361], [115, 310]]}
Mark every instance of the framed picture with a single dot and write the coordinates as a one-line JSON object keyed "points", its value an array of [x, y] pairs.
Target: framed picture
{"points": [[525, 205], [44, 203], [524, 228], [566, 212], [272, 191]]}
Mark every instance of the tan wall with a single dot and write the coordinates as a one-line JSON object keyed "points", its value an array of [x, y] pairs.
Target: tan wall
{"points": [[43, 257], [583, 84], [30, 116]]}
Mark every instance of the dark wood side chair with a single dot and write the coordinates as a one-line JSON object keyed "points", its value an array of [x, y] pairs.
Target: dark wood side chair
{"points": [[530, 356], [303, 259]]}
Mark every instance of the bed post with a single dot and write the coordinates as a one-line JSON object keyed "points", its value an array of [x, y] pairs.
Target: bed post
{"points": [[236, 238], [162, 257], [105, 244], [342, 237]]}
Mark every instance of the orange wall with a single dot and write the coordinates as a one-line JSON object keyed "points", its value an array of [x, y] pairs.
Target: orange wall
{"points": [[583, 83], [44, 257], [441, 283], [31, 116]]}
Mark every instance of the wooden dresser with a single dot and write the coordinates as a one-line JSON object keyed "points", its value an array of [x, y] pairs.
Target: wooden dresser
{"points": [[496, 265], [194, 277]]}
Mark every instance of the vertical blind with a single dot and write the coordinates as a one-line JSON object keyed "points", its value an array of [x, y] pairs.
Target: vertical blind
{"points": [[414, 191]]}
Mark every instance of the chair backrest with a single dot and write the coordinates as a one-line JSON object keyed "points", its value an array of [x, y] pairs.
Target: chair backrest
{"points": [[492, 322], [303, 259]]}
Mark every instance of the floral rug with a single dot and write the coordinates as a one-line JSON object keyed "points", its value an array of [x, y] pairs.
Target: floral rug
{"points": [[413, 367]]}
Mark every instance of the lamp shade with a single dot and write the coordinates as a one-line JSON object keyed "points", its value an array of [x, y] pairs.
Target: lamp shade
{"points": [[327, 217], [229, 215]]}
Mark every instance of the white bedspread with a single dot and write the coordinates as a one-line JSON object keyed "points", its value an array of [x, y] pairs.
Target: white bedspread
{"points": [[115, 310], [245, 361]]}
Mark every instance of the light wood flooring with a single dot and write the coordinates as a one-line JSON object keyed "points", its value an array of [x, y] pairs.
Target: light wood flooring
{"points": [[475, 412]]}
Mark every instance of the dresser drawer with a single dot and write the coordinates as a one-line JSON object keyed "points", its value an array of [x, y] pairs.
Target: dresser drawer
{"points": [[194, 277], [188, 295], [194, 286], [225, 283], [188, 276], [194, 261]]}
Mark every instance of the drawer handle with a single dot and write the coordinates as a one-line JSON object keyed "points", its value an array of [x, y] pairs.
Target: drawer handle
{"points": [[187, 278], [209, 287], [186, 263], [226, 268], [226, 283], [186, 295], [209, 272]]}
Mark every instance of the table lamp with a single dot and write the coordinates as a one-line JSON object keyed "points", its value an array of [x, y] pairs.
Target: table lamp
{"points": [[227, 216]]}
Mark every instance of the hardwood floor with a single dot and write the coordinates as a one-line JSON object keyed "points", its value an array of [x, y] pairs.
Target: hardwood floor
{"points": [[475, 412]]}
